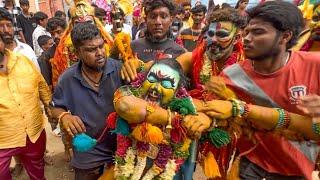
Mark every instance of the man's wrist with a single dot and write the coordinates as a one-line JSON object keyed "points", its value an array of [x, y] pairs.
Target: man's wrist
{"points": [[62, 115]]}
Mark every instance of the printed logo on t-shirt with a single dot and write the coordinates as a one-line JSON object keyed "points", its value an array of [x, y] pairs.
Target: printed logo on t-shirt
{"points": [[296, 92]]}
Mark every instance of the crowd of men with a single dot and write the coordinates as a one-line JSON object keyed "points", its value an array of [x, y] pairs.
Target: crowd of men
{"points": [[254, 73]]}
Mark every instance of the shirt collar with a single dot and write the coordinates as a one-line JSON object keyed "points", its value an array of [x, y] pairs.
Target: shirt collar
{"points": [[107, 70], [19, 45]]}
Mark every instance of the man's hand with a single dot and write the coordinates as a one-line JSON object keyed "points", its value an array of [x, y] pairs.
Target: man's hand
{"points": [[217, 109], [72, 124], [217, 86], [310, 105], [196, 124], [129, 69]]}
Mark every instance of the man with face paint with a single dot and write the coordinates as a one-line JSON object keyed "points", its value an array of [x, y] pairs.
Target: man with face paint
{"points": [[153, 108], [219, 47], [309, 39], [187, 20], [157, 43], [65, 56]]}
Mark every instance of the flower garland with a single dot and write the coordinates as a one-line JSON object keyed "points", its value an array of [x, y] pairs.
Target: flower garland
{"points": [[168, 148], [122, 46]]}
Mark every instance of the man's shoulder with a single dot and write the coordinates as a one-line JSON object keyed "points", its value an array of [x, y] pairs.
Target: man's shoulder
{"points": [[68, 75], [306, 57], [140, 41], [114, 63]]}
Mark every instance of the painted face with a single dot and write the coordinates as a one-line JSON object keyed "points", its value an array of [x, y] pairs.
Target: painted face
{"points": [[220, 37], [161, 84], [261, 40], [82, 19], [315, 24], [158, 22], [186, 11]]}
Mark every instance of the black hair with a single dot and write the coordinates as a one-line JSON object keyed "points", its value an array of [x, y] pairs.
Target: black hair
{"points": [[180, 10], [198, 9], [113, 15], [151, 5], [186, 4], [55, 22], [39, 16], [226, 5], [24, 2], [43, 39], [225, 14], [239, 2], [82, 32], [5, 15], [59, 14], [283, 16], [99, 12], [174, 64]]}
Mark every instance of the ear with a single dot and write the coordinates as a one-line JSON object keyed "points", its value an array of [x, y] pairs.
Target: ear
{"points": [[237, 38], [286, 37]]}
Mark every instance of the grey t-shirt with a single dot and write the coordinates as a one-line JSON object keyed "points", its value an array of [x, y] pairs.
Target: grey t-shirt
{"points": [[148, 50]]}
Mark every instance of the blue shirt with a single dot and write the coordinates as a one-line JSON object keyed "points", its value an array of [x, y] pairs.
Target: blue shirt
{"points": [[75, 94]]}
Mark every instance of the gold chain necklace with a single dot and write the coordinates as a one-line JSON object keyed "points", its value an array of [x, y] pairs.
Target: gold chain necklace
{"points": [[96, 84]]}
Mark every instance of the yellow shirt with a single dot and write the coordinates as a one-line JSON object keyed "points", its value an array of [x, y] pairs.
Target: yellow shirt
{"points": [[21, 89]]}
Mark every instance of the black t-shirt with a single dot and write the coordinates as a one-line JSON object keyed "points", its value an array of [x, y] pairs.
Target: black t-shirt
{"points": [[27, 24], [45, 65], [148, 50]]}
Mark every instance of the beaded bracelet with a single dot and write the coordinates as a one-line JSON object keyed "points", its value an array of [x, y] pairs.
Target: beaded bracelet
{"points": [[287, 120], [239, 108], [316, 128], [281, 119], [236, 108], [141, 67], [246, 111]]}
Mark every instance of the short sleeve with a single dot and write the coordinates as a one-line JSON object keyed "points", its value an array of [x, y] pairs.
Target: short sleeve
{"points": [[59, 98]]}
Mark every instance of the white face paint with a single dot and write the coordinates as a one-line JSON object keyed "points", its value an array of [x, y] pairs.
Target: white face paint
{"points": [[165, 75]]}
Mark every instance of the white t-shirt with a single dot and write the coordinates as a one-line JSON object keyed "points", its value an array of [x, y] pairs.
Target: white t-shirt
{"points": [[27, 51], [39, 31]]}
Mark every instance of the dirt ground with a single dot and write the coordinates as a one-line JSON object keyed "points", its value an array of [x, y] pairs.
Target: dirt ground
{"points": [[59, 170]]}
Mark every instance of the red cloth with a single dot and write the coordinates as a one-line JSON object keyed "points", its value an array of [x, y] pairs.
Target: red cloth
{"points": [[299, 77], [31, 156]]}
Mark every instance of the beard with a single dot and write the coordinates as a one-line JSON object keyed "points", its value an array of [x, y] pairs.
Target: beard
{"points": [[7, 38], [94, 68], [219, 52]]}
